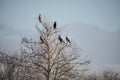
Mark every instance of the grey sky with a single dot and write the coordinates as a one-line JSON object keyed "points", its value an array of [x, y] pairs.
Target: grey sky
{"points": [[88, 18]]}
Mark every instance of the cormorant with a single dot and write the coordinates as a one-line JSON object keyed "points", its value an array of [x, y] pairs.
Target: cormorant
{"points": [[68, 40], [54, 25], [41, 39], [60, 39], [40, 17]]}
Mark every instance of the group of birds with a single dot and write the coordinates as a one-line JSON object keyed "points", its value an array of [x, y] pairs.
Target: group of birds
{"points": [[54, 27], [40, 20], [59, 37], [61, 40]]}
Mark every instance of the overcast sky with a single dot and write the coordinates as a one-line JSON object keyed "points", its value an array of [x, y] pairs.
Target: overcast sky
{"points": [[93, 24]]}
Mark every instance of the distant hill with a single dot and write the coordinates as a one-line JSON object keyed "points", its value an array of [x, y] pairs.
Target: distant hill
{"points": [[104, 46]]}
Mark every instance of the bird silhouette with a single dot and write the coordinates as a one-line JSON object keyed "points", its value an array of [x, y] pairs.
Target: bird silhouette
{"points": [[60, 39], [68, 40], [54, 25], [42, 41], [40, 18]]}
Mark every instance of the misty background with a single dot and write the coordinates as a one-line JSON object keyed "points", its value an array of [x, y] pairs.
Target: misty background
{"points": [[94, 25]]}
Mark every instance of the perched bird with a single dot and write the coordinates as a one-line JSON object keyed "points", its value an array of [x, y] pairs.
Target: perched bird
{"points": [[40, 17], [60, 39], [41, 39], [54, 25], [68, 40]]}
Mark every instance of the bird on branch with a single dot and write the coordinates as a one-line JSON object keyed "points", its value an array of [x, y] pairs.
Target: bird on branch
{"points": [[68, 40], [40, 17], [54, 25], [60, 39], [42, 41]]}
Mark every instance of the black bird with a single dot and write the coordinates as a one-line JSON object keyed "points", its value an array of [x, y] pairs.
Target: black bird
{"points": [[40, 18], [60, 39], [41, 39], [68, 40], [54, 25]]}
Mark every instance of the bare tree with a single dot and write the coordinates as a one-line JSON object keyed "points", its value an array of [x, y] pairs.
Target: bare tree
{"points": [[105, 75], [9, 66], [51, 57]]}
